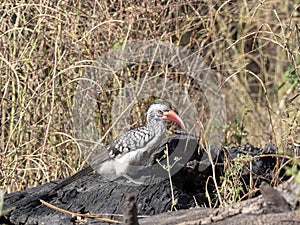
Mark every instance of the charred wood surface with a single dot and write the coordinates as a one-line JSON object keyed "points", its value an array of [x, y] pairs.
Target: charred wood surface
{"points": [[94, 194]]}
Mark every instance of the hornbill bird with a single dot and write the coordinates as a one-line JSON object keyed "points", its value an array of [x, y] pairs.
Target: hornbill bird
{"points": [[132, 147]]}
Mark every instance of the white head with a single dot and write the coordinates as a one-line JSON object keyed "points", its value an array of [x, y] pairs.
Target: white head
{"points": [[161, 111]]}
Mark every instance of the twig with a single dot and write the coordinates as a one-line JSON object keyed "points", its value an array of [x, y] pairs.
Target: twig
{"points": [[91, 216]]}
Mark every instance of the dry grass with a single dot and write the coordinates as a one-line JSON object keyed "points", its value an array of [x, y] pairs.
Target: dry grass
{"points": [[253, 46]]}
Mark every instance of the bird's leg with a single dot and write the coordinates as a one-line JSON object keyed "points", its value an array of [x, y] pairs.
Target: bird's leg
{"points": [[130, 179]]}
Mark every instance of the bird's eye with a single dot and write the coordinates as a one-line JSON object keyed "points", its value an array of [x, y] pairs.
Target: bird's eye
{"points": [[160, 113]]}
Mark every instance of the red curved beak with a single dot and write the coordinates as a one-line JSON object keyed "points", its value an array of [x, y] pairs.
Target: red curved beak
{"points": [[172, 116]]}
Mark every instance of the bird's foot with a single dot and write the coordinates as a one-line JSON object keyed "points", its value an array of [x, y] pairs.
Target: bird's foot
{"points": [[131, 180]]}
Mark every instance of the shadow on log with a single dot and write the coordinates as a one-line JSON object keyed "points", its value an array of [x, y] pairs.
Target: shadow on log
{"points": [[94, 194]]}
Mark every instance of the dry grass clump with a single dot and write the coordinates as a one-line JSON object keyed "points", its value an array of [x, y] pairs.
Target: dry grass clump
{"points": [[253, 47]]}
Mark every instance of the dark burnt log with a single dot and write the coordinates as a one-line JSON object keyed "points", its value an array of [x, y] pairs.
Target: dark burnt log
{"points": [[95, 194], [273, 207]]}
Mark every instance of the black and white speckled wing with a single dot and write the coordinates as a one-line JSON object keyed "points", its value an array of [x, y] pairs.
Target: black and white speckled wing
{"points": [[130, 141]]}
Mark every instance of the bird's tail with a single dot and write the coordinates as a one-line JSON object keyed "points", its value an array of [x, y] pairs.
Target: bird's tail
{"points": [[74, 177]]}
